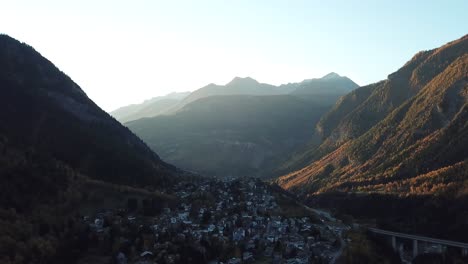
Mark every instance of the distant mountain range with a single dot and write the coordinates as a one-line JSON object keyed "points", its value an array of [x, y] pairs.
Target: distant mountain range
{"points": [[149, 108], [244, 128], [404, 135], [330, 88], [329, 84]]}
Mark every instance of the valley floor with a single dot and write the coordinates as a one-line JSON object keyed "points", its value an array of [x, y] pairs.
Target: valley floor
{"points": [[229, 221]]}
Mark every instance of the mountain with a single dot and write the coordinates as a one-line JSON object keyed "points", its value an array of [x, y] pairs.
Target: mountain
{"points": [[149, 108], [404, 135], [60, 156], [330, 84], [238, 86], [330, 88], [233, 135], [43, 109], [248, 124]]}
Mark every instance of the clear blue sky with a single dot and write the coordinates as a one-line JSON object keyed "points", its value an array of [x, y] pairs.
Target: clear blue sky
{"points": [[123, 52]]}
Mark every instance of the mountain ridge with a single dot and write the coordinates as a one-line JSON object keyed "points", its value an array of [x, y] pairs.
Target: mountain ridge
{"points": [[44, 109], [424, 104], [334, 86], [148, 108]]}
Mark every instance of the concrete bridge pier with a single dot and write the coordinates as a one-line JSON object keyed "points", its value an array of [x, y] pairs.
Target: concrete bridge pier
{"points": [[440, 249], [415, 248], [394, 243], [464, 252]]}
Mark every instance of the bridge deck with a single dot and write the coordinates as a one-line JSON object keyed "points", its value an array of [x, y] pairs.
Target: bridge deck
{"points": [[420, 238]]}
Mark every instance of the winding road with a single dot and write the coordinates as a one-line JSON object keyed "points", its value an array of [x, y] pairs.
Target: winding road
{"points": [[331, 221]]}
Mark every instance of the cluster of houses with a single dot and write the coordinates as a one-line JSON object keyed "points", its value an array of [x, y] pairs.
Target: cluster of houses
{"points": [[217, 221]]}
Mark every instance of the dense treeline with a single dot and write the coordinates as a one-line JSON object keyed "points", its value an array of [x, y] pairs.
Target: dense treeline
{"points": [[42, 204], [367, 249], [37, 202]]}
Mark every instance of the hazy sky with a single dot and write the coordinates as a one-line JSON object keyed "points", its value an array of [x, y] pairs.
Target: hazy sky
{"points": [[123, 52]]}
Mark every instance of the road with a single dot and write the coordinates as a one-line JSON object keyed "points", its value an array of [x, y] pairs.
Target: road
{"points": [[331, 221], [340, 250], [322, 213]]}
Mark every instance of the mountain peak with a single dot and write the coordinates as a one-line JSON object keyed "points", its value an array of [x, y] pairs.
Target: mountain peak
{"points": [[242, 81], [331, 75]]}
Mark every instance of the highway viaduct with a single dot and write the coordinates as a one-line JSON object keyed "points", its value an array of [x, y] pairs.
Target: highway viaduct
{"points": [[416, 239]]}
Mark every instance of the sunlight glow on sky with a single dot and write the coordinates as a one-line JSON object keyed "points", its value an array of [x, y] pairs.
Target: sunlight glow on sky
{"points": [[123, 52]]}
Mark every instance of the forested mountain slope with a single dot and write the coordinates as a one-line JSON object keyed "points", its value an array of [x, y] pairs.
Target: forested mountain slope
{"points": [[235, 135], [60, 155], [43, 109], [404, 135]]}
